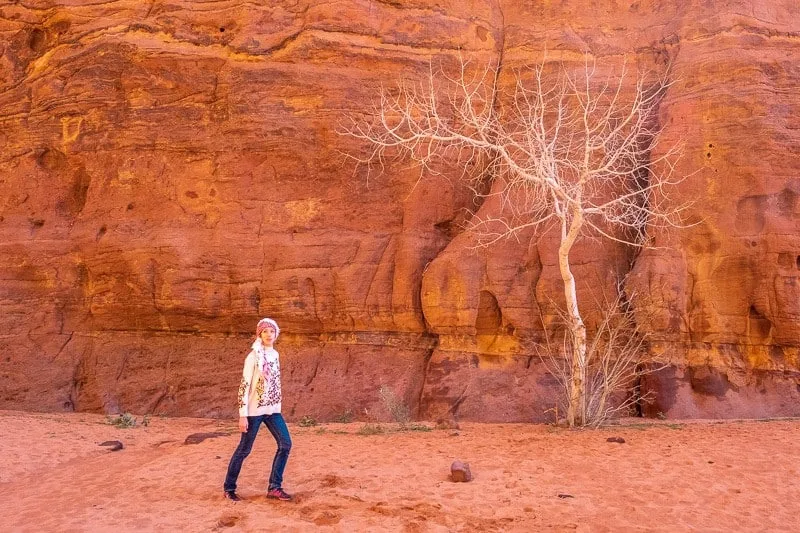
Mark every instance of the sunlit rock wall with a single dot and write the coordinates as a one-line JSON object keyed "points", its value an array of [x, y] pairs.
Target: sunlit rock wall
{"points": [[171, 171]]}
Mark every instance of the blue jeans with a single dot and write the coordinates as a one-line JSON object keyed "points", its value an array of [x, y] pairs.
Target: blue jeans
{"points": [[277, 426]]}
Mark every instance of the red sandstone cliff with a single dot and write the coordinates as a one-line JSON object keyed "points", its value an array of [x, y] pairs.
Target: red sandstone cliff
{"points": [[171, 172]]}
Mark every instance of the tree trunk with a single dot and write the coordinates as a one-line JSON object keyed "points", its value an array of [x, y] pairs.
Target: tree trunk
{"points": [[576, 404]]}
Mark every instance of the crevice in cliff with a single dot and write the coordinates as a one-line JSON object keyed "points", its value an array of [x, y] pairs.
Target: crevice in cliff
{"points": [[157, 400], [759, 327], [457, 404], [83, 394], [489, 318], [425, 367], [500, 50], [390, 249], [150, 8], [122, 366], [316, 366], [63, 346], [483, 187]]}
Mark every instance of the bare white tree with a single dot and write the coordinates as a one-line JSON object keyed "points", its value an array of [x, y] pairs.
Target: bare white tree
{"points": [[564, 150], [617, 358]]}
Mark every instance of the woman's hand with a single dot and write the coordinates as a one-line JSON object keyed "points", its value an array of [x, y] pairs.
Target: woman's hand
{"points": [[243, 424]]}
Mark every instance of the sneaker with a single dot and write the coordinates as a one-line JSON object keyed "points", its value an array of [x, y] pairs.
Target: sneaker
{"points": [[279, 494], [232, 496]]}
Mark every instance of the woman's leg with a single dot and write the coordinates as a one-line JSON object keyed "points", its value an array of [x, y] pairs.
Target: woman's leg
{"points": [[277, 426], [242, 451]]}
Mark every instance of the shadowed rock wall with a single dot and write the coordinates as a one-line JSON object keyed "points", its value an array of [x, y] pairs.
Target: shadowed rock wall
{"points": [[170, 172]]}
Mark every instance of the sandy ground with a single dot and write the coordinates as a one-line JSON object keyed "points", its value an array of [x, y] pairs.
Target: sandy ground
{"points": [[680, 476]]}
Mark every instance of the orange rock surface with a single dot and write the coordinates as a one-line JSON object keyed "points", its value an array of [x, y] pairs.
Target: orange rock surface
{"points": [[171, 171]]}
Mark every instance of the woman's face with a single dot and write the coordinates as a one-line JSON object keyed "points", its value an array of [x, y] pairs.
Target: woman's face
{"points": [[268, 335]]}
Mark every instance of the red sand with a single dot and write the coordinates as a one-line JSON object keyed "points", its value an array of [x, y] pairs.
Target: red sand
{"points": [[682, 476]]}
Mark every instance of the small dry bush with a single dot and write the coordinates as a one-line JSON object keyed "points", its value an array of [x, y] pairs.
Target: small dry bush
{"points": [[307, 421], [396, 406], [371, 429], [122, 421], [344, 417], [617, 357]]}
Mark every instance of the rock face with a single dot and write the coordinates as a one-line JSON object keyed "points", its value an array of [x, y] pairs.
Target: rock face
{"points": [[171, 172]]}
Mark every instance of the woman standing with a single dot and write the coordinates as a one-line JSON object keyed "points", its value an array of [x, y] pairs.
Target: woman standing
{"points": [[260, 402]]}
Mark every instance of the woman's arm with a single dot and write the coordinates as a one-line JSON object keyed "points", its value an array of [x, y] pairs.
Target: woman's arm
{"points": [[244, 390]]}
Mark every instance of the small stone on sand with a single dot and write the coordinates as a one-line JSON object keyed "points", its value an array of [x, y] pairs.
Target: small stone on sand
{"points": [[113, 445], [460, 472]]}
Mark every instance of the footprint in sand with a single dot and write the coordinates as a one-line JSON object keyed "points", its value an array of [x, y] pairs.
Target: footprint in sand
{"points": [[327, 518], [331, 480], [383, 508], [228, 520], [425, 510], [414, 527]]}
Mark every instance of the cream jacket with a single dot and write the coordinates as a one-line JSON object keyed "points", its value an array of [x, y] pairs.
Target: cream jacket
{"points": [[259, 396]]}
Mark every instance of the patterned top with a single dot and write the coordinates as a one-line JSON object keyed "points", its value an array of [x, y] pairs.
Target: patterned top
{"points": [[259, 395]]}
